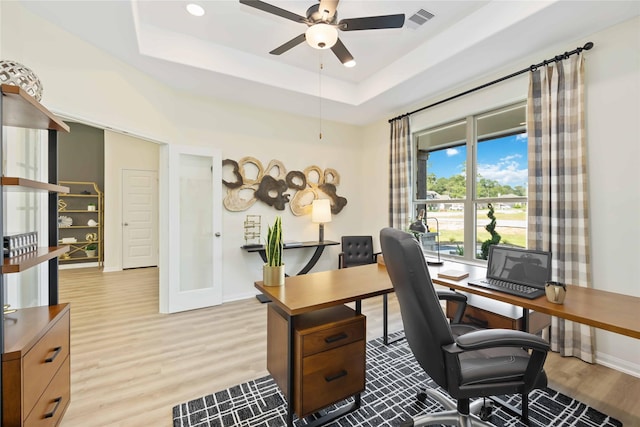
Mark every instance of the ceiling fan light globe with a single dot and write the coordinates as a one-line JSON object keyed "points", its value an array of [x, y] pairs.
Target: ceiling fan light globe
{"points": [[321, 36]]}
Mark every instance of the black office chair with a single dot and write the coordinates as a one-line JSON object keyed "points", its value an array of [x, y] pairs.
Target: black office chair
{"points": [[479, 363], [358, 250]]}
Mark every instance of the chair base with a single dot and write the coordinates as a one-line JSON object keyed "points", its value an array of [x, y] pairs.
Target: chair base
{"points": [[451, 416]]}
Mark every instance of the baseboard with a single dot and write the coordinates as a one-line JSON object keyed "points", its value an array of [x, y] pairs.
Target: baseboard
{"points": [[111, 269], [239, 297], [621, 365], [77, 265]]}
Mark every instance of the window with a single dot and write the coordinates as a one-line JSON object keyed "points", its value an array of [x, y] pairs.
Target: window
{"points": [[469, 173]]}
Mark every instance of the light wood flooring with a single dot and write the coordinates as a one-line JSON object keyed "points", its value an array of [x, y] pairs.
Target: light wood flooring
{"points": [[131, 365]]}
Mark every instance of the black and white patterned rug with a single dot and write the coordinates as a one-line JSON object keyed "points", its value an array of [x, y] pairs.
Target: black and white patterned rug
{"points": [[393, 378]]}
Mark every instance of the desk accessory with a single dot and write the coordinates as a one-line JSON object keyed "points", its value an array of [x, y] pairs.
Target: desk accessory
{"points": [[555, 292], [273, 270], [453, 274]]}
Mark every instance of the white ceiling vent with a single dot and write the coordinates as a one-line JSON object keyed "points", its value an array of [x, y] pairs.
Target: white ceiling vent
{"points": [[419, 18]]}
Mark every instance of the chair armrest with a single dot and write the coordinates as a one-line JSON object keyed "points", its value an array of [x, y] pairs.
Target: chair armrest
{"points": [[461, 299], [493, 338], [488, 338]]}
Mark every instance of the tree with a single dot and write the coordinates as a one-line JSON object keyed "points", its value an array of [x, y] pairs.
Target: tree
{"points": [[491, 228]]}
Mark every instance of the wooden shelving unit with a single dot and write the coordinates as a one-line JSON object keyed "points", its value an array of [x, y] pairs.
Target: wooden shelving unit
{"points": [[35, 380], [76, 200]]}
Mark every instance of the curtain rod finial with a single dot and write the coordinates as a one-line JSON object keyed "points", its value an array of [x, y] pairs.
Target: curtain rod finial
{"points": [[588, 46]]}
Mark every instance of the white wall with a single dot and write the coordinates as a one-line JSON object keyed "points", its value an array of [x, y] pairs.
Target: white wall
{"points": [[82, 82], [121, 152], [86, 84], [613, 132]]}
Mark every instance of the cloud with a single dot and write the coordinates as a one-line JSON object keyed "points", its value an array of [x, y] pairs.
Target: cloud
{"points": [[507, 171], [452, 152], [522, 137]]}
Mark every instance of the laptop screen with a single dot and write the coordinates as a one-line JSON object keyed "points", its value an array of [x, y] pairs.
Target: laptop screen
{"points": [[522, 266]]}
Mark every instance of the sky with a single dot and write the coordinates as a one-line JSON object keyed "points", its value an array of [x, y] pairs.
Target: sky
{"points": [[503, 160]]}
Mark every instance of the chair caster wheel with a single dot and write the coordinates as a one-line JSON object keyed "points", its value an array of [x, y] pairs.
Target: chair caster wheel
{"points": [[407, 423], [485, 413], [421, 396]]}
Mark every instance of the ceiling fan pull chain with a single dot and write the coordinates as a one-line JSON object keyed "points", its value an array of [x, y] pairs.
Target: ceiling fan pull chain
{"points": [[320, 93]]}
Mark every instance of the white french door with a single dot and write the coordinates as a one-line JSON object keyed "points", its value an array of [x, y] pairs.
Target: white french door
{"points": [[190, 218]]}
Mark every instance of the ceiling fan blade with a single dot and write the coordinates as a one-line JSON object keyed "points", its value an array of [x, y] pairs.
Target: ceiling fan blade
{"points": [[341, 52], [269, 8], [372, 22], [288, 45], [329, 7]]}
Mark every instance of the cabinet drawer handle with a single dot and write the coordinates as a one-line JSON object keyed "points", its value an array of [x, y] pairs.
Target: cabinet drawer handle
{"points": [[334, 377], [57, 402], [56, 352], [335, 338]]}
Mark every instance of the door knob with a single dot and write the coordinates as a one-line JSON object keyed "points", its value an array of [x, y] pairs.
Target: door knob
{"points": [[125, 224], [217, 234]]}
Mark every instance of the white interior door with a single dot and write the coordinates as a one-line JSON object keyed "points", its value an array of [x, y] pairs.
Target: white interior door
{"points": [[191, 216], [139, 218]]}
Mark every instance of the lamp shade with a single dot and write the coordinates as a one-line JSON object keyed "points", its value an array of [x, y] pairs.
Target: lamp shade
{"points": [[321, 211], [321, 36]]}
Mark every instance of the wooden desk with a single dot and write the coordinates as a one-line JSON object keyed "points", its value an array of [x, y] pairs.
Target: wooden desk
{"points": [[301, 294], [601, 309], [308, 266], [317, 291]]}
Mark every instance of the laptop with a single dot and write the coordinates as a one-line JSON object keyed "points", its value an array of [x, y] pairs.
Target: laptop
{"points": [[520, 272]]}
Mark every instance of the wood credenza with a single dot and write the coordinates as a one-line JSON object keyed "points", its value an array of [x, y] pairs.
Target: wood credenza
{"points": [[329, 356], [35, 366]]}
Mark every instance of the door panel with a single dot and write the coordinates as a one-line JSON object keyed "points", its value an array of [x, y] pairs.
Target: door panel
{"points": [[192, 204], [139, 218]]}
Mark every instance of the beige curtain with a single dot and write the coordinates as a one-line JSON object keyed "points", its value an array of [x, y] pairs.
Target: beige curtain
{"points": [[400, 158], [558, 198]]}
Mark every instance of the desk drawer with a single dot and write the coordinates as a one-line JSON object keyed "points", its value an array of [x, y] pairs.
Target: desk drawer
{"points": [[330, 338], [331, 376], [48, 410], [44, 359]]}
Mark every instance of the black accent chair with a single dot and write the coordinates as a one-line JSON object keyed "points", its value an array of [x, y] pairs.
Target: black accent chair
{"points": [[356, 250], [478, 363]]}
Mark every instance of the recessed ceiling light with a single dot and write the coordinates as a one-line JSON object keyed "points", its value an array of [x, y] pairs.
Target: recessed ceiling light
{"points": [[195, 9]]}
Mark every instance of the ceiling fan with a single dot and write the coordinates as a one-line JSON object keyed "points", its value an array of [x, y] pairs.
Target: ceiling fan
{"points": [[322, 20]]}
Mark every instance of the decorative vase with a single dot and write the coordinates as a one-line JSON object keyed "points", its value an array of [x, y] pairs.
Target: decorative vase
{"points": [[273, 275], [14, 73]]}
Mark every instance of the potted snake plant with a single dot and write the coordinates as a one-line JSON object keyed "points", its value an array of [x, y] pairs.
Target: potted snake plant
{"points": [[273, 270]]}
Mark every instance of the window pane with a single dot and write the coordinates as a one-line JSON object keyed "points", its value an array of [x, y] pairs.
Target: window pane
{"points": [[510, 225], [441, 163], [501, 156], [445, 228]]}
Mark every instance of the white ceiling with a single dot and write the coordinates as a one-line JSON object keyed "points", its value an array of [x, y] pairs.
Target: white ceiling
{"points": [[224, 54]]}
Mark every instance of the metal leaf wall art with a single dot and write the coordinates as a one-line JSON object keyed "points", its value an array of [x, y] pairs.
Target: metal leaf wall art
{"points": [[276, 187]]}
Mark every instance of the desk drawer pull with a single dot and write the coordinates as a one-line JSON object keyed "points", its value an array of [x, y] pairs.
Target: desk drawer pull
{"points": [[335, 338], [334, 377], [57, 401], [56, 352]]}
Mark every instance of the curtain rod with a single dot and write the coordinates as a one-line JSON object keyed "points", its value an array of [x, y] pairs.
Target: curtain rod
{"points": [[532, 68]]}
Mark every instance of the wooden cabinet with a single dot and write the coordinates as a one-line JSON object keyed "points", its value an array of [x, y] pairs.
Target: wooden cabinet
{"points": [[34, 342], [80, 222], [329, 356], [35, 366]]}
